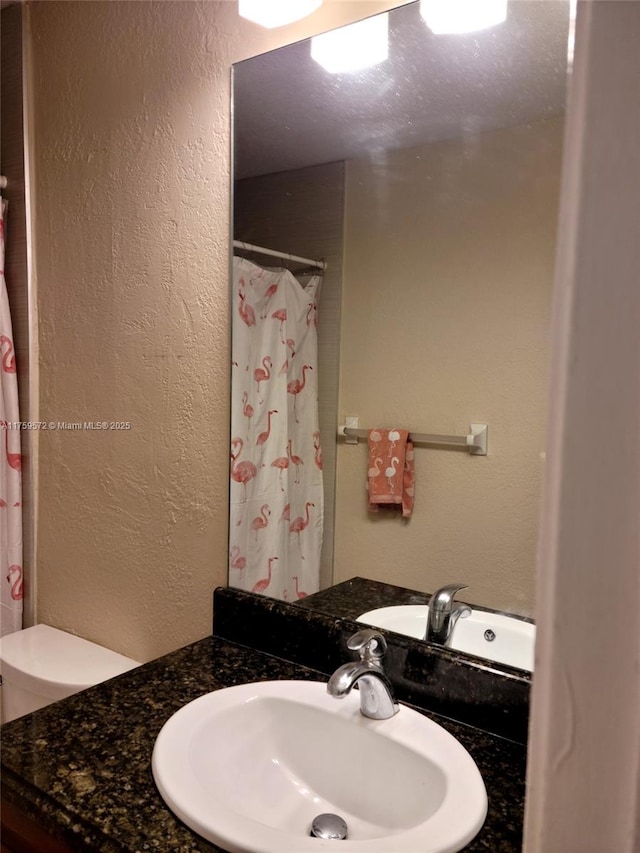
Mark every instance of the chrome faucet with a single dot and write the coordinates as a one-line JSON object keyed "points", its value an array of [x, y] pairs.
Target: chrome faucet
{"points": [[443, 615], [377, 700]]}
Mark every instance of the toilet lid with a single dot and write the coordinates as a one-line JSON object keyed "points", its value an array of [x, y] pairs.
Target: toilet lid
{"points": [[53, 663]]}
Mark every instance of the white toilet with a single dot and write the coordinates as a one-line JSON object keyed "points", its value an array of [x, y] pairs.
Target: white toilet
{"points": [[42, 664]]}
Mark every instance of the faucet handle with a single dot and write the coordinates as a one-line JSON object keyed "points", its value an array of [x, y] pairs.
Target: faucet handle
{"points": [[442, 599], [370, 645]]}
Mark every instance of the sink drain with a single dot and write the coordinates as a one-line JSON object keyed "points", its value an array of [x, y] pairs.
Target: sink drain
{"points": [[329, 826]]}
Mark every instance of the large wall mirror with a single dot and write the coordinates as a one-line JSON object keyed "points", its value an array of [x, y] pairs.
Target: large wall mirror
{"points": [[429, 185]]}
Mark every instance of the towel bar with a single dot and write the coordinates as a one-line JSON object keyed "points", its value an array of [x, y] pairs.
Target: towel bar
{"points": [[475, 442]]}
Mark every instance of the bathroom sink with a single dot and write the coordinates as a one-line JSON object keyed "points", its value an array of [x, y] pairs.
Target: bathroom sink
{"points": [[250, 767], [495, 636]]}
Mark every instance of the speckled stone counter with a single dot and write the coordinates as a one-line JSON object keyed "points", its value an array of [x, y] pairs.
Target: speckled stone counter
{"points": [[358, 595], [81, 768]]}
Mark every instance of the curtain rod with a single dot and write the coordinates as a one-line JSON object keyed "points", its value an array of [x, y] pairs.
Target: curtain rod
{"points": [[249, 247]]}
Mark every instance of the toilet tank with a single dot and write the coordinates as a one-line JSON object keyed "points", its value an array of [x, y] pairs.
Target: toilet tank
{"points": [[40, 665]]}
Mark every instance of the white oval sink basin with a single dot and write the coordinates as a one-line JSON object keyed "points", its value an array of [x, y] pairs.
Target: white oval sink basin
{"points": [[511, 641], [250, 767]]}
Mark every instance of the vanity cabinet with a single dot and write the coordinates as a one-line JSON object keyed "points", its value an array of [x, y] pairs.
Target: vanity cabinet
{"points": [[20, 834]]}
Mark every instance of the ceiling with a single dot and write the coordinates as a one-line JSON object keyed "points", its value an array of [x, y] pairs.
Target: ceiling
{"points": [[290, 113]]}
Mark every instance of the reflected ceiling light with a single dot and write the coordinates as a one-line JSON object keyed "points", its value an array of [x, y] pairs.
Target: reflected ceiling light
{"points": [[353, 47], [462, 16], [276, 13], [573, 10]]}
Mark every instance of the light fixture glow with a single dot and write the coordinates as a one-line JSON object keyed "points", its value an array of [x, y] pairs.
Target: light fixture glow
{"points": [[571, 39], [462, 16], [276, 13], [353, 47]]}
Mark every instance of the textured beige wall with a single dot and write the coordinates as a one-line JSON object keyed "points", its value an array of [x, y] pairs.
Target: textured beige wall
{"points": [[449, 254], [131, 107]]}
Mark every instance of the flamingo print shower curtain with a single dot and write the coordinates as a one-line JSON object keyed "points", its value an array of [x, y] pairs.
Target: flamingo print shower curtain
{"points": [[10, 469], [276, 499]]}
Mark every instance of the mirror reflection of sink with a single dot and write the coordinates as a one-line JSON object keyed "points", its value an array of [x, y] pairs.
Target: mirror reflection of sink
{"points": [[250, 767], [495, 636]]}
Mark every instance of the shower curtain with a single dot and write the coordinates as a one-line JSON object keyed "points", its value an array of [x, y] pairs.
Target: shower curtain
{"points": [[10, 468], [276, 501]]}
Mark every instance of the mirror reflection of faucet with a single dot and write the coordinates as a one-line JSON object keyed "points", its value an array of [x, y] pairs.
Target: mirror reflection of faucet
{"points": [[377, 700], [443, 614]]}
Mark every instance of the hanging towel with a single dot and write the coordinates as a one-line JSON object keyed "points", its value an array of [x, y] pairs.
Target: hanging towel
{"points": [[390, 475], [408, 481]]}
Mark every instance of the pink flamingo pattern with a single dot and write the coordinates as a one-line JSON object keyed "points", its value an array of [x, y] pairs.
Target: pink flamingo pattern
{"points": [[262, 520], [295, 460], [268, 296], [247, 409], [17, 587], [12, 588], [244, 471], [312, 314], [8, 357], [281, 316], [299, 594], [263, 374], [237, 562], [299, 524], [317, 450], [296, 386], [263, 583], [278, 460], [286, 513], [14, 459], [264, 436], [281, 463], [291, 345], [247, 314]]}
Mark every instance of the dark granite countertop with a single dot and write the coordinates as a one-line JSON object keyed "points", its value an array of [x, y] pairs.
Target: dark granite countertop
{"points": [[359, 595], [81, 768]]}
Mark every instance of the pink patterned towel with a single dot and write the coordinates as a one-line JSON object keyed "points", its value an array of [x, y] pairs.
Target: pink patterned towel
{"points": [[390, 476]]}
